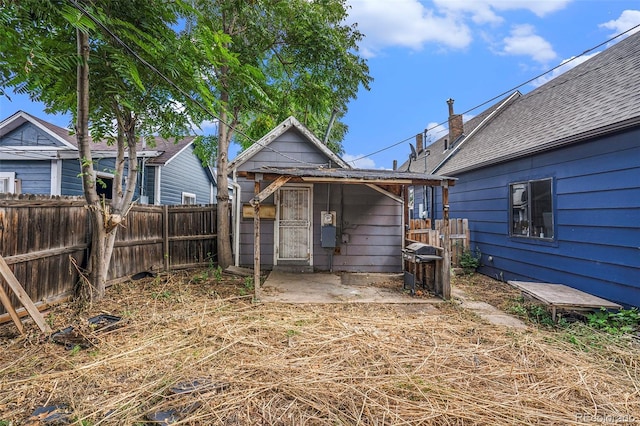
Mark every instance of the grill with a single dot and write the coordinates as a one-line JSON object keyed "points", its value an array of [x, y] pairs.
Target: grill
{"points": [[419, 260]]}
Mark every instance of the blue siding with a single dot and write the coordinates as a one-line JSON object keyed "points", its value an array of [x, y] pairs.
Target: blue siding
{"points": [[35, 175], [72, 181], [28, 135], [184, 173], [596, 188]]}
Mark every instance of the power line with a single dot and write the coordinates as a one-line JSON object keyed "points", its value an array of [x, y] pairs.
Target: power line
{"points": [[505, 92]]}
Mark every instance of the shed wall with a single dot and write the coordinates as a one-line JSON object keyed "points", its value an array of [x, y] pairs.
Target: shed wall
{"points": [[371, 219]]}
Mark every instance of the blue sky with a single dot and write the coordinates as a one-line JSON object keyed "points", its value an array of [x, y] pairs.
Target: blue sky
{"points": [[421, 53]]}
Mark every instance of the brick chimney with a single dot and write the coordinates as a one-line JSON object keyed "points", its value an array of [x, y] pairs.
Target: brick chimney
{"points": [[455, 124], [419, 146]]}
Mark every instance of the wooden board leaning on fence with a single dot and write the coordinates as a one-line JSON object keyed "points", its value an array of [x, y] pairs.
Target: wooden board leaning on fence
{"points": [[22, 296]]}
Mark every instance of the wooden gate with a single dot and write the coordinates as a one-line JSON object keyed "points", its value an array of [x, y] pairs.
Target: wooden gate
{"points": [[420, 231]]}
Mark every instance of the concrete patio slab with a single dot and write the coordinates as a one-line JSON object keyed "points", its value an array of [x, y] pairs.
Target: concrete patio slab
{"points": [[290, 287]]}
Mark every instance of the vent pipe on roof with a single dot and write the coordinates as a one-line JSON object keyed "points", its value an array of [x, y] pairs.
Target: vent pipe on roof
{"points": [[334, 113]]}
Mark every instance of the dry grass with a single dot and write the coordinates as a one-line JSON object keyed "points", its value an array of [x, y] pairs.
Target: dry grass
{"points": [[285, 364]]}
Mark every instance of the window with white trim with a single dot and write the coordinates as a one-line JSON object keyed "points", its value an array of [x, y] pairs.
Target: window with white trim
{"points": [[7, 182], [531, 207], [104, 184], [188, 198]]}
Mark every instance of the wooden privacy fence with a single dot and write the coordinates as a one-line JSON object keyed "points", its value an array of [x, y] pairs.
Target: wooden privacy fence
{"points": [[42, 237], [420, 230]]}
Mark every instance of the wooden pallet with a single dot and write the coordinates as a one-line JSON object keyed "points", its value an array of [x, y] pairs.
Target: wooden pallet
{"points": [[560, 296]]}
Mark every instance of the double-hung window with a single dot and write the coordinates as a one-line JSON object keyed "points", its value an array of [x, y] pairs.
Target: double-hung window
{"points": [[531, 207], [7, 182], [188, 198]]}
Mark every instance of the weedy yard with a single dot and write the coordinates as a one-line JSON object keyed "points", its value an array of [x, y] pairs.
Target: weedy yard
{"points": [[192, 348]]}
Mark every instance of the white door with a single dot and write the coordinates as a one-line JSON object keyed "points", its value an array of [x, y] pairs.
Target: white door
{"points": [[293, 226]]}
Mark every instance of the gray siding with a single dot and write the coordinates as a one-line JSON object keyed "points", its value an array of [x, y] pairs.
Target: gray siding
{"points": [[368, 220], [246, 230], [28, 135], [35, 175], [371, 219], [290, 149], [184, 173]]}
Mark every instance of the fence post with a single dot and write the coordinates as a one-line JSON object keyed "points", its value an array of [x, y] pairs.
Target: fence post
{"points": [[165, 236]]}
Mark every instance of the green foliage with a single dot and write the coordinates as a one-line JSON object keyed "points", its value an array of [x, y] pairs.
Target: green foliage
{"points": [[470, 261], [534, 313], [248, 283], [165, 295], [217, 274], [206, 148], [290, 333], [620, 322], [279, 59]]}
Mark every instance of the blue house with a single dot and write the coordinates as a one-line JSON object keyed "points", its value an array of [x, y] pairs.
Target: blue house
{"points": [[37, 157], [550, 180]]}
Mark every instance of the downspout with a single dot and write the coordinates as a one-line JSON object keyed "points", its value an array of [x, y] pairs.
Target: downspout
{"points": [[237, 209], [403, 231], [143, 170], [157, 191]]}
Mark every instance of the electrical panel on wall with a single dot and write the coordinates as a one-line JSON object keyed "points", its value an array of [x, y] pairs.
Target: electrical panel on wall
{"points": [[328, 218]]}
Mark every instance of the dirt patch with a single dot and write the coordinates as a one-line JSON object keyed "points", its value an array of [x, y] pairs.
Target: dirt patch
{"points": [[245, 363], [486, 289]]}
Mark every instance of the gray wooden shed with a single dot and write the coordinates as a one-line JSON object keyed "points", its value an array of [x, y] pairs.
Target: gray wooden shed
{"points": [[300, 207]]}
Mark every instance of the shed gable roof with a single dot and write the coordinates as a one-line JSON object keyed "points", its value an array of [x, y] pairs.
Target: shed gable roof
{"points": [[599, 96], [279, 130]]}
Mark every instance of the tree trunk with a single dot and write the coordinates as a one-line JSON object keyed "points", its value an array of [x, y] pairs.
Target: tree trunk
{"points": [[105, 216], [94, 288], [223, 239]]}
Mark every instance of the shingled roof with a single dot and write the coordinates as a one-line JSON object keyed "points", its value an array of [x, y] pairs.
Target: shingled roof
{"points": [[597, 97], [436, 153], [161, 150]]}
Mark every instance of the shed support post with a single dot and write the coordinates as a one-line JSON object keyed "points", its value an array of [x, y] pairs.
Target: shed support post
{"points": [[256, 244], [446, 244]]}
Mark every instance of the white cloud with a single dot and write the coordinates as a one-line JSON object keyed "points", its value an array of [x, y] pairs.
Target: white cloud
{"points": [[564, 67], [627, 19], [209, 125], [524, 42], [480, 11], [411, 24], [538, 7], [359, 161], [435, 131], [404, 23]]}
